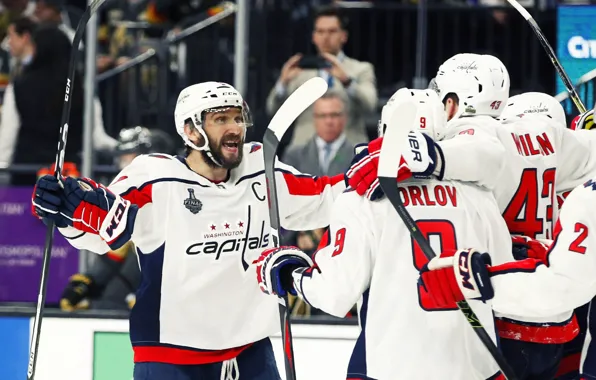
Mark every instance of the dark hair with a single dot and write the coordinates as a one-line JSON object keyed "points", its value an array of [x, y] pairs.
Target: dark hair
{"points": [[331, 11], [453, 96], [24, 25]]}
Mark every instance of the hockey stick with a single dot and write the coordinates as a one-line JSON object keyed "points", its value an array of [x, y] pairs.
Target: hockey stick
{"points": [[296, 103], [551, 54], [47, 252], [400, 122]]}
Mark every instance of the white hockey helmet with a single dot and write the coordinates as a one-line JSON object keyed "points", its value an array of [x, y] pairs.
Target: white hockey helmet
{"points": [[430, 116], [481, 82], [534, 103], [196, 100]]}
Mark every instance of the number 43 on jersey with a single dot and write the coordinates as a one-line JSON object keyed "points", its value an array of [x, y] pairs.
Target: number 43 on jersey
{"points": [[530, 211]]}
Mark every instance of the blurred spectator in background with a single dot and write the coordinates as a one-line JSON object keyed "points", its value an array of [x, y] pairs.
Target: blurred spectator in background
{"points": [[112, 280], [352, 78], [22, 49], [20, 43], [328, 152], [55, 12], [10, 11], [31, 118]]}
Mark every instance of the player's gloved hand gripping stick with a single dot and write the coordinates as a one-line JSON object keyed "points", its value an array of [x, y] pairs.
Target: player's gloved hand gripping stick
{"points": [[87, 206], [41, 298], [296, 103], [401, 120]]}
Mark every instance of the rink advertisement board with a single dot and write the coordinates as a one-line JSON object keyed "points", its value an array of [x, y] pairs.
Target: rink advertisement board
{"points": [[576, 42], [100, 349], [14, 347], [22, 241]]}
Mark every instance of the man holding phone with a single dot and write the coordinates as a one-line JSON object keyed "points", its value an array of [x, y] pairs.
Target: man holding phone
{"points": [[352, 79]]}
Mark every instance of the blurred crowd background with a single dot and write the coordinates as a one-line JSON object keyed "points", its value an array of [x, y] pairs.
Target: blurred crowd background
{"points": [[148, 50]]}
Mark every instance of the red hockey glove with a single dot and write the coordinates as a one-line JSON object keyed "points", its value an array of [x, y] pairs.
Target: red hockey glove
{"points": [[275, 267], [421, 162], [525, 247], [465, 275]]}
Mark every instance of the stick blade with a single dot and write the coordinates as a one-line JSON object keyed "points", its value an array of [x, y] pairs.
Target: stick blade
{"points": [[400, 123], [296, 103], [525, 14]]}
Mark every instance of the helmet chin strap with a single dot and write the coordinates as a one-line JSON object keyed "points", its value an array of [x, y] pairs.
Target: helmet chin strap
{"points": [[210, 155], [204, 148]]}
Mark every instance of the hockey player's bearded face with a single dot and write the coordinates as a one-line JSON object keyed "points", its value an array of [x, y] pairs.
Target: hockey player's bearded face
{"points": [[226, 135]]}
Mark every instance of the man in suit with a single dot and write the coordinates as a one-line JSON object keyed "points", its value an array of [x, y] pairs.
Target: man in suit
{"points": [[353, 79], [328, 152]]}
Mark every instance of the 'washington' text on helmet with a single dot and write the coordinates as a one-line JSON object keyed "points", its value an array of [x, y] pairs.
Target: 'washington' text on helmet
{"points": [[534, 103], [481, 83]]}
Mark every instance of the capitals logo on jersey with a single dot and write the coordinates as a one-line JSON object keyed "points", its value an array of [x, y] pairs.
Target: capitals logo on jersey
{"points": [[231, 240]]}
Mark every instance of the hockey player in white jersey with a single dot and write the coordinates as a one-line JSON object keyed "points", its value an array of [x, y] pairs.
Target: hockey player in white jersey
{"points": [[482, 82], [371, 257], [197, 223], [531, 287], [538, 156], [583, 357], [569, 369], [519, 107]]}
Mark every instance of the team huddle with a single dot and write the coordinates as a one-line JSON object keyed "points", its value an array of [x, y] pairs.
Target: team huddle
{"points": [[484, 175]]}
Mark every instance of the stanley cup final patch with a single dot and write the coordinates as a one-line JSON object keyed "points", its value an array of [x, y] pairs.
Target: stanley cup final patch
{"points": [[192, 203]]}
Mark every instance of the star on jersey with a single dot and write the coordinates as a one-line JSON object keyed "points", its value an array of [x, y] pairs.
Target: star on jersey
{"points": [[227, 226], [240, 224], [212, 227]]}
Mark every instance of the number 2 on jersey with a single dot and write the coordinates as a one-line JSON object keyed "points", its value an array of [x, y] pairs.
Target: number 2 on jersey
{"points": [[522, 212], [576, 245], [445, 232]]}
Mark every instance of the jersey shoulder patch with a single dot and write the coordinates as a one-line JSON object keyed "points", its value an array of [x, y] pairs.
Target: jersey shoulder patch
{"points": [[591, 184], [255, 147]]}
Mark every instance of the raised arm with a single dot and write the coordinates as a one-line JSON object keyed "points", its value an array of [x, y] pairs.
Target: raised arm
{"points": [[305, 201]]}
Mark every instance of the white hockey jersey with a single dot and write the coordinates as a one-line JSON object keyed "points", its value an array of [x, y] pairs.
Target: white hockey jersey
{"points": [[538, 159], [569, 279], [371, 257], [195, 241], [563, 189]]}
